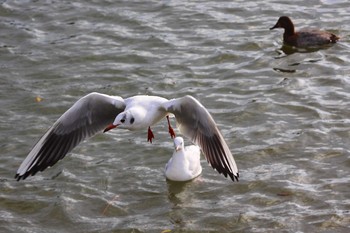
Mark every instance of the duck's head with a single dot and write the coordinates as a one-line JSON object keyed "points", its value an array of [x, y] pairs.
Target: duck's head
{"points": [[283, 22]]}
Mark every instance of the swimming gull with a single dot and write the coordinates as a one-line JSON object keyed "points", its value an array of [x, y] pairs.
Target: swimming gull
{"points": [[185, 164]]}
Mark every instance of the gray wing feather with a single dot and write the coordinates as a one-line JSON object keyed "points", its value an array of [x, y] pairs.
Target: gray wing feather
{"points": [[196, 123], [88, 116]]}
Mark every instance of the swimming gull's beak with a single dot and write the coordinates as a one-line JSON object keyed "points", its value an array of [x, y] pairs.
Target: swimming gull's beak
{"points": [[178, 148]]}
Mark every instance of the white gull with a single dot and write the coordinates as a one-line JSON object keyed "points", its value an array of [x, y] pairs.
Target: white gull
{"points": [[95, 112], [185, 162]]}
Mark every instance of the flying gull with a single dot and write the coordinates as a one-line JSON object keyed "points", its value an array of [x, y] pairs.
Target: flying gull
{"points": [[96, 112]]}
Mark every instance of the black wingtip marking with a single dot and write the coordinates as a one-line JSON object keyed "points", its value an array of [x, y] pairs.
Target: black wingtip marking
{"points": [[218, 162], [21, 177]]}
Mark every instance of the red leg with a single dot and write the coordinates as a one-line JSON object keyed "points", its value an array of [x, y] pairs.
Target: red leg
{"points": [[171, 131], [150, 135]]}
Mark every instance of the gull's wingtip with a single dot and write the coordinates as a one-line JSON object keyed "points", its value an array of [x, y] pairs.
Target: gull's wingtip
{"points": [[18, 177], [22, 176], [235, 177]]}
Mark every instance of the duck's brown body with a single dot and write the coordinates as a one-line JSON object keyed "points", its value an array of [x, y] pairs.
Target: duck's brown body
{"points": [[303, 38]]}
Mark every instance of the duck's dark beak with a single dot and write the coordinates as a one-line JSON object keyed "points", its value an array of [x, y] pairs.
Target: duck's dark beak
{"points": [[277, 25]]}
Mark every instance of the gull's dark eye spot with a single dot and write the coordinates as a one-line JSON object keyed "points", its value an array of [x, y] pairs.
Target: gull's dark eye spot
{"points": [[122, 120], [132, 120]]}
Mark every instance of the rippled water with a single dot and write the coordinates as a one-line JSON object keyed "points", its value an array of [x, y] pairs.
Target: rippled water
{"points": [[285, 115]]}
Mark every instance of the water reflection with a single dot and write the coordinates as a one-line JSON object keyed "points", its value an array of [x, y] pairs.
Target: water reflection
{"points": [[182, 198], [175, 188], [284, 70], [289, 50]]}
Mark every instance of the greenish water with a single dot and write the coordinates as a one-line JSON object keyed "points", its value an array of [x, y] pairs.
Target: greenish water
{"points": [[285, 115]]}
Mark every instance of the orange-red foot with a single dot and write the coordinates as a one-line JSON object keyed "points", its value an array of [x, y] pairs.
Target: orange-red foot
{"points": [[150, 135], [171, 130]]}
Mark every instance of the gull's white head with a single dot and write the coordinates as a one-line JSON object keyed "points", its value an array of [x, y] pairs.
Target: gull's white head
{"points": [[179, 143], [124, 120]]}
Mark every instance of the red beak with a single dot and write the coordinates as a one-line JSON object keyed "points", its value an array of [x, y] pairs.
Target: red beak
{"points": [[109, 127]]}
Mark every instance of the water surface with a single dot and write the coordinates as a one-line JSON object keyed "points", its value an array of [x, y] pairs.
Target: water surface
{"points": [[284, 115]]}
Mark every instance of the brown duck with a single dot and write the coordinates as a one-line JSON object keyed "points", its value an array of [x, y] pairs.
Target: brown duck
{"points": [[303, 38]]}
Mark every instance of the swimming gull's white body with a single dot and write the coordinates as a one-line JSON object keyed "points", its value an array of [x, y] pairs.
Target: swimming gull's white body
{"points": [[185, 164]]}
